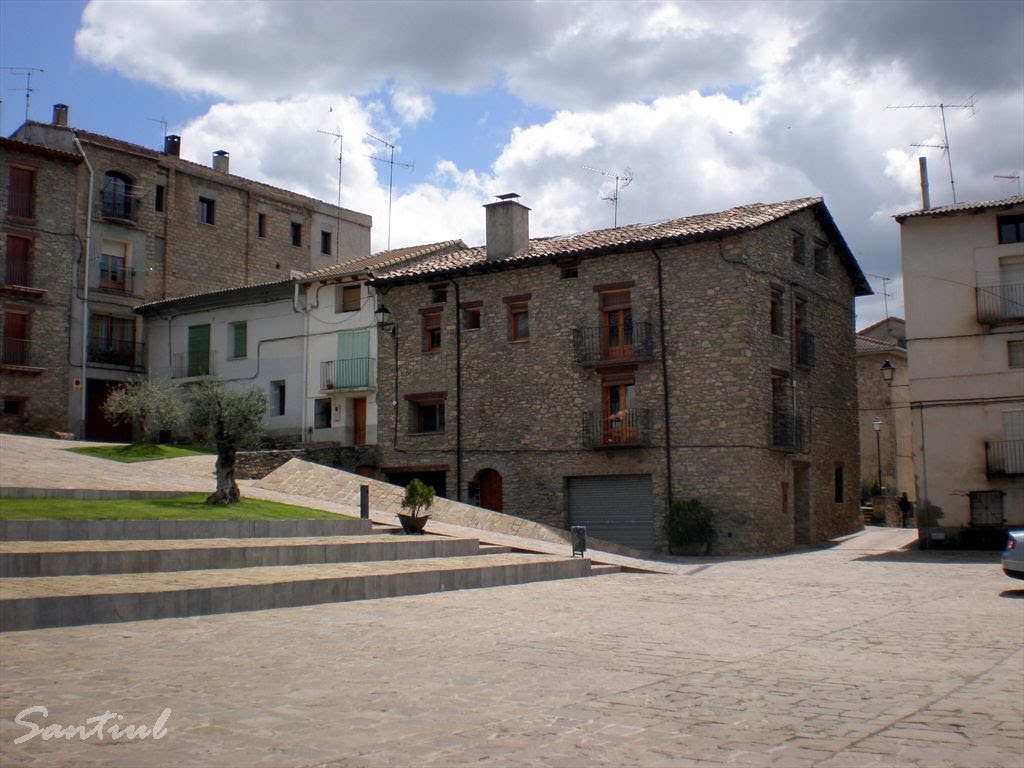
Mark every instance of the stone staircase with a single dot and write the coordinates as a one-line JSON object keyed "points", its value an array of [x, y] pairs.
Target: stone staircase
{"points": [[63, 573]]}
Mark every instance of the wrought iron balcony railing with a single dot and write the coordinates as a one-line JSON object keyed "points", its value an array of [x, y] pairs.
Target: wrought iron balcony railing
{"points": [[788, 432], [999, 304], [354, 373], [21, 204], [1004, 458], [630, 428], [18, 272], [16, 351], [597, 345], [116, 352]]}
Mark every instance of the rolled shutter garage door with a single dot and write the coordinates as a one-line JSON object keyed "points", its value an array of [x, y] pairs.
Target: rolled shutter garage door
{"points": [[618, 508]]}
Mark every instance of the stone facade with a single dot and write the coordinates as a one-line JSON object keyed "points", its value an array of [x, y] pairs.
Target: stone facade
{"points": [[159, 227], [702, 330]]}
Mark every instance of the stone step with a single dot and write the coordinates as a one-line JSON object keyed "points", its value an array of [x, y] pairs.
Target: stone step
{"points": [[137, 530], [67, 558], [604, 570], [60, 601]]}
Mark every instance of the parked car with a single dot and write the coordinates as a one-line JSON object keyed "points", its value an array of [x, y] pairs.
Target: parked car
{"points": [[1013, 555]]}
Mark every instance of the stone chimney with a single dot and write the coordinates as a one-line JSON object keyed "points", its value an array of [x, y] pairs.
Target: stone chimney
{"points": [[172, 145], [508, 227], [220, 161], [60, 115], [926, 202]]}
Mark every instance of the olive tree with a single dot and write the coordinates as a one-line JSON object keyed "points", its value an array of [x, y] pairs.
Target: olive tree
{"points": [[228, 420], [153, 403]]}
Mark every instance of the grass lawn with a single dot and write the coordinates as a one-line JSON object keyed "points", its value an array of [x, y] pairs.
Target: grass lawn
{"points": [[138, 452], [191, 507]]}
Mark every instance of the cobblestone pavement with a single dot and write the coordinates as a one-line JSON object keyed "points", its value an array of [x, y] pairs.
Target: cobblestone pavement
{"points": [[864, 654]]}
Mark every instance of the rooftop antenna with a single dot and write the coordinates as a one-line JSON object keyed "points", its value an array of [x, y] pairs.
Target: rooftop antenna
{"points": [[626, 177], [27, 72], [969, 104], [338, 137], [391, 174], [163, 124], [886, 279], [1009, 177]]}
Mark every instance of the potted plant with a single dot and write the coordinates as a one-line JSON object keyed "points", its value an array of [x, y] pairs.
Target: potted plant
{"points": [[689, 527], [417, 500]]}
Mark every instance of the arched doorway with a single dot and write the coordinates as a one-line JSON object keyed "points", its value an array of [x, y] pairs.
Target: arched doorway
{"points": [[489, 482]]}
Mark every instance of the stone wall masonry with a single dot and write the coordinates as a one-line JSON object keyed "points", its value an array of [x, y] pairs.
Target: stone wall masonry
{"points": [[259, 464]]}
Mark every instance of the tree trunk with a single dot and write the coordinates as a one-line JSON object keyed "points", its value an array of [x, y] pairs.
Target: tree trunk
{"points": [[227, 489]]}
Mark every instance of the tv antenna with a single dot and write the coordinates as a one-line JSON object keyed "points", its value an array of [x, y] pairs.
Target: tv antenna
{"points": [[1009, 177], [340, 139], [886, 279], [969, 104], [625, 179], [27, 72], [391, 173], [163, 124]]}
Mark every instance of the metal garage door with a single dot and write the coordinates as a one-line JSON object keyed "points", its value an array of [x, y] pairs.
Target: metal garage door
{"points": [[618, 508]]}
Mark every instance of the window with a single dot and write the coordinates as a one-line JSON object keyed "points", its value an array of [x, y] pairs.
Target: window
{"points": [[1011, 229], [518, 317], [206, 210], [838, 483], [617, 325], [347, 298], [1015, 353], [277, 398], [1011, 287], [261, 225], [158, 198], [114, 266], [15, 349], [112, 340], [19, 261], [238, 339], [426, 412], [471, 315], [821, 257], [14, 406], [438, 294], [325, 243], [198, 350], [778, 326], [569, 270], [798, 247], [431, 329], [21, 193], [803, 340], [619, 422], [296, 233], [322, 413], [986, 507], [117, 196]]}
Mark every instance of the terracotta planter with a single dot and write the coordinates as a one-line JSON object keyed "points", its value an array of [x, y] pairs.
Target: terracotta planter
{"points": [[412, 524]]}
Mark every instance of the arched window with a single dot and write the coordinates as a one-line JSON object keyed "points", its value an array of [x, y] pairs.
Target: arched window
{"points": [[117, 196]]}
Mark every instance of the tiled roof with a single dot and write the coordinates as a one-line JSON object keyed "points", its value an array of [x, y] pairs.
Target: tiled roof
{"points": [[867, 344], [945, 210], [380, 260], [237, 290], [38, 149], [630, 237]]}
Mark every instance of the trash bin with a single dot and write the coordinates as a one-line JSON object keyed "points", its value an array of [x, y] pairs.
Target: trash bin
{"points": [[579, 540]]}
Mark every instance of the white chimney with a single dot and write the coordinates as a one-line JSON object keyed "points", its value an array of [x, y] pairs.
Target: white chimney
{"points": [[508, 227], [926, 202], [220, 161], [60, 115]]}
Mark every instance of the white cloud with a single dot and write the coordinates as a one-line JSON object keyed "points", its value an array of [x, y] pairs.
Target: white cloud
{"points": [[411, 105]]}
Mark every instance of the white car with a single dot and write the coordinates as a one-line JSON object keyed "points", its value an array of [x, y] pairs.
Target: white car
{"points": [[1013, 555]]}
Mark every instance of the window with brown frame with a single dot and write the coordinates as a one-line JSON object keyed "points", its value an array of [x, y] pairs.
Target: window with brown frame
{"points": [[431, 329], [471, 315], [617, 325], [619, 424], [518, 317], [347, 298], [19, 261], [426, 412], [21, 192]]}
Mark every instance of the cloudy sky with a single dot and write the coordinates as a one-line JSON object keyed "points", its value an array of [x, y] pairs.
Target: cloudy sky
{"points": [[706, 105]]}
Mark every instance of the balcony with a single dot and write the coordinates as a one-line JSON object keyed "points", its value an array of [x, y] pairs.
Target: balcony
{"points": [[625, 429], [1000, 304], [788, 432], [127, 354], [592, 346], [186, 365], [354, 373], [16, 356], [21, 205], [17, 280], [1004, 458]]}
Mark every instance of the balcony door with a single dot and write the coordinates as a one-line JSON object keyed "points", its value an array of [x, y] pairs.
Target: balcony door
{"points": [[1011, 279], [15, 345], [617, 331], [619, 425]]}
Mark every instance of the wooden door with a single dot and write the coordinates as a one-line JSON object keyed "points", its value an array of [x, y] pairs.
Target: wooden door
{"points": [[490, 490], [359, 421]]}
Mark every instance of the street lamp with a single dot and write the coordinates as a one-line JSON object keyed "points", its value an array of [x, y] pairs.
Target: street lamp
{"points": [[888, 372], [877, 424]]}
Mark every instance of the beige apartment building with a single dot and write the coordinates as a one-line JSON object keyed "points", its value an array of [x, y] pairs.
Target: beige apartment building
{"points": [[93, 226], [963, 273]]}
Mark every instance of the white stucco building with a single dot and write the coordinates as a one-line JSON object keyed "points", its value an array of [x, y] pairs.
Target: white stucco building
{"points": [[963, 272]]}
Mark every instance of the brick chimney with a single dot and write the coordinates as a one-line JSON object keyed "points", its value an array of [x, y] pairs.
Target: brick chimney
{"points": [[172, 145], [220, 161], [508, 227], [60, 115]]}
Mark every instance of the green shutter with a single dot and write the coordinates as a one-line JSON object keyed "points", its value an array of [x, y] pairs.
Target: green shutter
{"points": [[352, 367], [239, 334], [198, 350]]}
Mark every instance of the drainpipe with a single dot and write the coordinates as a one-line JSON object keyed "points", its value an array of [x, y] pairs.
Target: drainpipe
{"points": [[85, 271], [303, 437], [664, 380], [458, 393]]}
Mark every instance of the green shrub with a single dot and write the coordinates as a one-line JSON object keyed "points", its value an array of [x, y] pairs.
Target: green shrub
{"points": [[689, 522], [418, 497]]}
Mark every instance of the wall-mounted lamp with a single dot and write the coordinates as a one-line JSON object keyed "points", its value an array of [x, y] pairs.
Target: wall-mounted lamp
{"points": [[383, 315], [888, 371]]}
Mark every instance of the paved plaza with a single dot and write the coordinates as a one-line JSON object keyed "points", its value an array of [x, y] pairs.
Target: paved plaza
{"points": [[867, 653]]}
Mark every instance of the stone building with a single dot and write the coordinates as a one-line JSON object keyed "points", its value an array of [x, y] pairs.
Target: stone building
{"points": [[963, 286], [595, 378], [149, 226]]}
